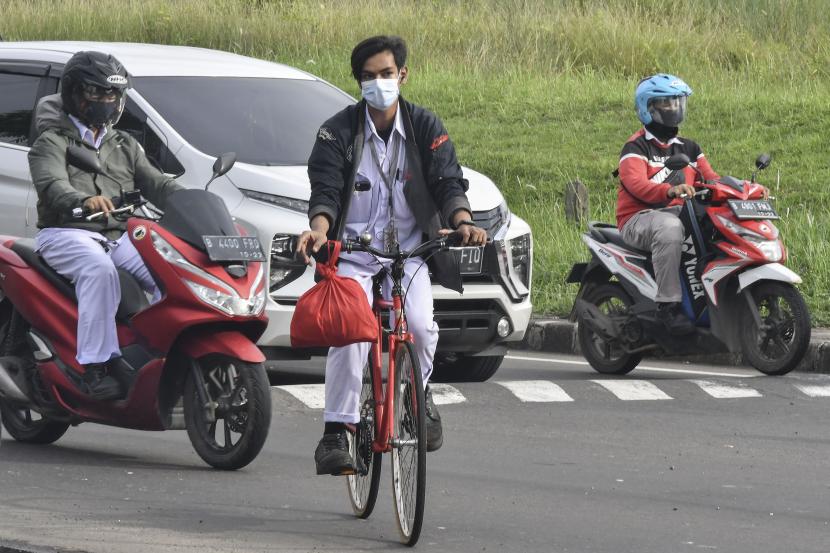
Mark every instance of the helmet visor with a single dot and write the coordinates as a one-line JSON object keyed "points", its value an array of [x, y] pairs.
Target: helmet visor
{"points": [[668, 110], [100, 106]]}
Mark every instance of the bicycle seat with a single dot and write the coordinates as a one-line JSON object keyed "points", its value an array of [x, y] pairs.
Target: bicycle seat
{"points": [[133, 298], [605, 233]]}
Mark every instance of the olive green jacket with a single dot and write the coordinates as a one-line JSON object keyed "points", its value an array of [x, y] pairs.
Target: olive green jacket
{"points": [[61, 187]]}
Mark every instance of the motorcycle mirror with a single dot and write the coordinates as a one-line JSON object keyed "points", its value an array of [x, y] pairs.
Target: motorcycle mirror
{"points": [[678, 162], [84, 159], [763, 161], [222, 165]]}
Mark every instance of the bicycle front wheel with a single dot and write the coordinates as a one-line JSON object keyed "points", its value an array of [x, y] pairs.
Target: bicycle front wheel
{"points": [[364, 483], [409, 446]]}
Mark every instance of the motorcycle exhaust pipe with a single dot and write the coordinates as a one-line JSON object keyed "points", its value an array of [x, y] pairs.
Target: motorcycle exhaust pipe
{"points": [[8, 387]]}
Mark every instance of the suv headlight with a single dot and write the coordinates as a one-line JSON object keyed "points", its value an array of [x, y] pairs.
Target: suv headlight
{"points": [[293, 204], [520, 258], [514, 257], [285, 267], [219, 294]]}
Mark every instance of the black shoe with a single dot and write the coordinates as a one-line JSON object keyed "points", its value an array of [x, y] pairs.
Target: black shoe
{"points": [[99, 385], [670, 315], [435, 433], [332, 455]]}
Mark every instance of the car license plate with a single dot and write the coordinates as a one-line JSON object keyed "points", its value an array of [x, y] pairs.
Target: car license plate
{"points": [[753, 209], [233, 248], [470, 259]]}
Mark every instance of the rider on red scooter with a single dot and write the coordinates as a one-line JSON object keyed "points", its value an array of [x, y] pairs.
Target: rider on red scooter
{"points": [[648, 200], [92, 98]]}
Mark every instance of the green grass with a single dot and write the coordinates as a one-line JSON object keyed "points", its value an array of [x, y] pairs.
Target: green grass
{"points": [[539, 93]]}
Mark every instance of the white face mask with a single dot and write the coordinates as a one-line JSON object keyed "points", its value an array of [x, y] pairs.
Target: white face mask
{"points": [[380, 93]]}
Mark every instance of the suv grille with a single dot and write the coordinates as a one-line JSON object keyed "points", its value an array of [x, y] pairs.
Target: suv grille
{"points": [[491, 220]]}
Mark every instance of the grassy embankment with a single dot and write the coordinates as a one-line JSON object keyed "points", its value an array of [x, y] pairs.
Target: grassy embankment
{"points": [[539, 93]]}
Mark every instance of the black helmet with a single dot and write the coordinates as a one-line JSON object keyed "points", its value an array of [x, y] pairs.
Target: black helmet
{"points": [[92, 88]]}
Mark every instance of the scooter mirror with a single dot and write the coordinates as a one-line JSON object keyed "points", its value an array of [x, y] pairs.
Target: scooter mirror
{"points": [[763, 161], [678, 162], [223, 164], [84, 159]]}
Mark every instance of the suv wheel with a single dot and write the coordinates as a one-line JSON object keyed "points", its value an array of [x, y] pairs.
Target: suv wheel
{"points": [[458, 367]]}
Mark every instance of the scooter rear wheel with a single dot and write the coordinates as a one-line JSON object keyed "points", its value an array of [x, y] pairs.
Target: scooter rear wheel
{"points": [[228, 421], [27, 426], [779, 345], [607, 357]]}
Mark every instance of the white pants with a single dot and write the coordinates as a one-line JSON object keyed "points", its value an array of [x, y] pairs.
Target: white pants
{"points": [[344, 366], [89, 260]]}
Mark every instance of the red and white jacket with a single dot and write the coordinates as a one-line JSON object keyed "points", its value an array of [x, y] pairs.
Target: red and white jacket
{"points": [[645, 181]]}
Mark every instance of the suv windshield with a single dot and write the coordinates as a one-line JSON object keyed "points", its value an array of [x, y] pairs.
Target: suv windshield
{"points": [[265, 121]]}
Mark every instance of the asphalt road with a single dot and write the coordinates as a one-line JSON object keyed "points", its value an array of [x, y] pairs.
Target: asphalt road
{"points": [[677, 458]]}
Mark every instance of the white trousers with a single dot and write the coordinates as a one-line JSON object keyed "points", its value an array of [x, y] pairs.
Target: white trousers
{"points": [[344, 366], [89, 260]]}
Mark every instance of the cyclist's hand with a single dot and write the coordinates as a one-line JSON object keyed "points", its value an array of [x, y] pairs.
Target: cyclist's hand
{"points": [[98, 203], [470, 235], [310, 243], [680, 189]]}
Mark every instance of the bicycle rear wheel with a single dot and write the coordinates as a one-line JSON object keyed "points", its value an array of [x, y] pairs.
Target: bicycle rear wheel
{"points": [[363, 485], [409, 447]]}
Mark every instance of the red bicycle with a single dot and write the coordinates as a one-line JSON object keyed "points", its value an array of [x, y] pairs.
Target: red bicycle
{"points": [[392, 418]]}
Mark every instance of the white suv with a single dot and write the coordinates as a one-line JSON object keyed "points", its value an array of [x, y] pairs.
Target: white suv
{"points": [[190, 104]]}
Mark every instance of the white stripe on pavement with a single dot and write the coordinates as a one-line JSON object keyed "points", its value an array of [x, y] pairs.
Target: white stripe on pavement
{"points": [[444, 394], [642, 367], [814, 390], [312, 395], [633, 390], [535, 390], [721, 390]]}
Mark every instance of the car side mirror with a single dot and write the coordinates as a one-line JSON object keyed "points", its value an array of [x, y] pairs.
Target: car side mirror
{"points": [[678, 162], [84, 159], [223, 164], [763, 161]]}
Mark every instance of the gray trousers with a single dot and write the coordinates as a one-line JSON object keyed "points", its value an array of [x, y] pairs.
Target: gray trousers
{"points": [[660, 232], [80, 256], [344, 365]]}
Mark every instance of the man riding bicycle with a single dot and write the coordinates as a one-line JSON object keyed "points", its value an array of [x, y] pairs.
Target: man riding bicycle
{"points": [[386, 169]]}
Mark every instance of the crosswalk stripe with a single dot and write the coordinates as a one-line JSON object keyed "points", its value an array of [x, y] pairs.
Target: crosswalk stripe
{"points": [[814, 390], [444, 394], [721, 390], [633, 390], [536, 390], [313, 396]]}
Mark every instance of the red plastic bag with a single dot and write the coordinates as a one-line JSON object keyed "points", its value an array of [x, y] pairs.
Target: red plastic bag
{"points": [[334, 312]]}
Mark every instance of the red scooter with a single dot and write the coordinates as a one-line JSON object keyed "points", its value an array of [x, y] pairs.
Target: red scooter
{"points": [[192, 351]]}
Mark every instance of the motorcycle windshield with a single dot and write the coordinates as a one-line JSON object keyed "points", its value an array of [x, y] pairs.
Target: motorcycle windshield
{"points": [[192, 213]]}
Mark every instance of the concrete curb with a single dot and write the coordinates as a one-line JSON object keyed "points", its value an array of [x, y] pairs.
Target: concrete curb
{"points": [[559, 336]]}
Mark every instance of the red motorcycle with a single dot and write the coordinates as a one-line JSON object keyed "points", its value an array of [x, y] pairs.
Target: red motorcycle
{"points": [[736, 289], [192, 351]]}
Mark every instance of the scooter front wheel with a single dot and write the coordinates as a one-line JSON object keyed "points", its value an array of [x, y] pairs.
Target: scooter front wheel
{"points": [[227, 410], [779, 344], [607, 357]]}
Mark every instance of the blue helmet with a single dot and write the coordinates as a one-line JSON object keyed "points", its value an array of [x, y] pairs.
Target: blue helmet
{"points": [[661, 98]]}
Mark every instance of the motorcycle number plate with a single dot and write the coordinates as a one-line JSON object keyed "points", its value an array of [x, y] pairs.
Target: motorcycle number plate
{"points": [[470, 259], [753, 209], [233, 248]]}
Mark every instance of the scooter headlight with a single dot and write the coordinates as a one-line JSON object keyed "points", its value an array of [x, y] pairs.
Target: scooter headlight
{"points": [[771, 249]]}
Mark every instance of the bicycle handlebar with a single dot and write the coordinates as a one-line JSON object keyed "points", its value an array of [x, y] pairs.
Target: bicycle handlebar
{"points": [[442, 243]]}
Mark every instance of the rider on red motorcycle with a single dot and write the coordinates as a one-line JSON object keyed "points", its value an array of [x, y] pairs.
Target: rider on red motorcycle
{"points": [[648, 200], [93, 93]]}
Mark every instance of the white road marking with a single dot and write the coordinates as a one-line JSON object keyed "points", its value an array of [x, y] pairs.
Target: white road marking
{"points": [[640, 367], [535, 390], [444, 394], [721, 390], [312, 396], [814, 390], [633, 390]]}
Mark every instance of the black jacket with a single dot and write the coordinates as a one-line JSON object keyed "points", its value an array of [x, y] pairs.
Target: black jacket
{"points": [[434, 185]]}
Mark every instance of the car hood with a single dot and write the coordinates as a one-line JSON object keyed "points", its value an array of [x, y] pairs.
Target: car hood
{"points": [[292, 181]]}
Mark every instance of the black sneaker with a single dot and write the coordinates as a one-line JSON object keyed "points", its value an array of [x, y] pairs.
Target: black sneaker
{"points": [[332, 455], [99, 384], [435, 433], [673, 319]]}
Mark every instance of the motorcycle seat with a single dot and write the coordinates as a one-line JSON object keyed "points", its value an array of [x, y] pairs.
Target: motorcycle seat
{"points": [[606, 233], [133, 298]]}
